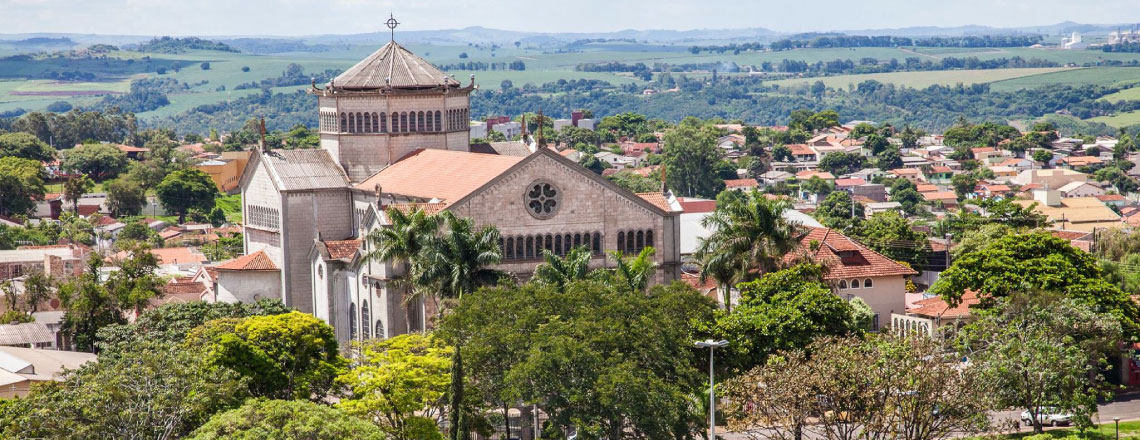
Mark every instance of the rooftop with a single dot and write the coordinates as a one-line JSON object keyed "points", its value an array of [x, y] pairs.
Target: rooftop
{"points": [[845, 257], [421, 174], [256, 261], [392, 66]]}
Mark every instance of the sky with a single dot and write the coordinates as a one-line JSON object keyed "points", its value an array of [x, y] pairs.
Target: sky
{"points": [[309, 17]]}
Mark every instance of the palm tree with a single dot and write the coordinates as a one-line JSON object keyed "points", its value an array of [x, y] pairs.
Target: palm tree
{"points": [[402, 243], [749, 237], [560, 271], [457, 261], [635, 273]]}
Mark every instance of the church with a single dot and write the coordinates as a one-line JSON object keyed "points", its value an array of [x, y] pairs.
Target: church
{"points": [[395, 134]]}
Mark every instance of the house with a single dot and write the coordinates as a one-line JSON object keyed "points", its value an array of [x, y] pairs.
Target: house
{"points": [[741, 184], [773, 177], [986, 154], [934, 317], [848, 184], [28, 334], [1116, 200], [914, 162], [871, 209], [226, 169], [20, 368], [991, 191], [1004, 173], [58, 261], [134, 153], [948, 199], [1049, 179], [1081, 189], [872, 191], [1074, 213], [618, 161], [246, 279], [911, 174], [808, 174], [1074, 162], [857, 271], [940, 175], [803, 153], [926, 188], [1018, 164]]}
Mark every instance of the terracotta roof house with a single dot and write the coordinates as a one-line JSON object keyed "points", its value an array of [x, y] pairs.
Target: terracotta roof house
{"points": [[935, 317], [855, 270], [1072, 213], [808, 174], [247, 278]]}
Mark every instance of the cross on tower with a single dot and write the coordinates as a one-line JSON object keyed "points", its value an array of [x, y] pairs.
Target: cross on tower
{"points": [[392, 23]]}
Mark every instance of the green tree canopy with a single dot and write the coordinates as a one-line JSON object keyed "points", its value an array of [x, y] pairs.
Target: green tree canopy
{"points": [[261, 419], [21, 183], [125, 197], [399, 383], [782, 310], [288, 356], [691, 157], [600, 359], [100, 161], [187, 189], [1037, 261], [890, 234], [836, 211], [171, 323], [25, 146], [842, 163]]}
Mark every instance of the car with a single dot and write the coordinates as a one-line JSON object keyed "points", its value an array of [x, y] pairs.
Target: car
{"points": [[1048, 416]]}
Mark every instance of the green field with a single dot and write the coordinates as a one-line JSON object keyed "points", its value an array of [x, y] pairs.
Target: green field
{"points": [[923, 79], [1119, 120], [1076, 77]]}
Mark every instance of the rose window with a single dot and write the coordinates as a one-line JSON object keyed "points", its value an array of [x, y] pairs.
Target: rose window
{"points": [[542, 199]]}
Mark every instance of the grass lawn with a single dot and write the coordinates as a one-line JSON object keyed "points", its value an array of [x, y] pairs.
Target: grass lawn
{"points": [[231, 205], [924, 79], [1129, 94], [1075, 77], [1106, 431]]}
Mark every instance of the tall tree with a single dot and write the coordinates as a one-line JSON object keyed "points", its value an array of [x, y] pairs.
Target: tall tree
{"points": [[691, 157], [125, 197], [560, 271], [635, 273], [403, 242], [100, 161], [25, 146], [21, 184], [747, 234], [286, 420], [1040, 349], [188, 189], [74, 189]]}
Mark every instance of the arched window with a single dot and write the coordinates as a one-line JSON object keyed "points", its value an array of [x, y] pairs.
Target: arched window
{"points": [[597, 243], [549, 243], [422, 123], [351, 123], [367, 125], [510, 251], [558, 244], [640, 241], [867, 283], [630, 242], [842, 284], [854, 284], [520, 248], [577, 240], [529, 247], [383, 122], [403, 122], [359, 123], [365, 321], [395, 123], [621, 242], [649, 238], [375, 123], [352, 321], [343, 123], [437, 122], [380, 329]]}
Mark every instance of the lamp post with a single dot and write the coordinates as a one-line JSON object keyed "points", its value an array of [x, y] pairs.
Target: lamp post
{"points": [[712, 346], [1116, 421]]}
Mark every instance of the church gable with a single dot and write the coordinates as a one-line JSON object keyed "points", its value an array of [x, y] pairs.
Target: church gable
{"points": [[546, 188]]}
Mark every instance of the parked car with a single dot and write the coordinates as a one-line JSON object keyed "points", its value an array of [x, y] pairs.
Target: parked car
{"points": [[1047, 416]]}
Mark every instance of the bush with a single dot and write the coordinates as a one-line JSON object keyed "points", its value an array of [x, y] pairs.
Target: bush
{"points": [[161, 71], [245, 68], [205, 65]]}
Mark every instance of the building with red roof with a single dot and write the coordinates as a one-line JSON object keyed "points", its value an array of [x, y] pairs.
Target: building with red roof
{"points": [[854, 270], [247, 278]]}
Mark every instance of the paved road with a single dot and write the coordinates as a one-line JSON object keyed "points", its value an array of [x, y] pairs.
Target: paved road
{"points": [[1125, 407]]}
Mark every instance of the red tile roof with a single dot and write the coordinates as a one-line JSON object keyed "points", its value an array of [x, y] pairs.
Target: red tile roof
{"points": [[982, 150], [941, 169], [925, 188], [342, 249], [940, 195], [255, 261], [808, 174], [850, 182], [184, 288], [938, 308], [739, 183], [1111, 198], [904, 171], [178, 255], [846, 258], [86, 210], [800, 150], [130, 149], [696, 206], [657, 199], [442, 174]]}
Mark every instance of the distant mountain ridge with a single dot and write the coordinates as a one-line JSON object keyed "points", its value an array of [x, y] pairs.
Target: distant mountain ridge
{"points": [[484, 35]]}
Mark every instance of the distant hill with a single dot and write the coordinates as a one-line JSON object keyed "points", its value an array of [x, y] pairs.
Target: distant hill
{"points": [[180, 45]]}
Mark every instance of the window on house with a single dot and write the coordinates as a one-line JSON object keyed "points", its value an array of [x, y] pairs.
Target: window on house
{"points": [[854, 284], [875, 323], [365, 321], [352, 321], [867, 283], [842, 284]]}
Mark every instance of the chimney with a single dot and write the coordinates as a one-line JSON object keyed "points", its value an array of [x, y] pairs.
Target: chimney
{"points": [[261, 146], [379, 197]]}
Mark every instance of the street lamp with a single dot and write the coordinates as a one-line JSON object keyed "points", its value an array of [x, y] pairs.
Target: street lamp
{"points": [[1116, 421], [712, 346]]}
